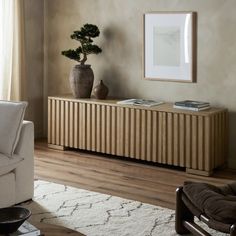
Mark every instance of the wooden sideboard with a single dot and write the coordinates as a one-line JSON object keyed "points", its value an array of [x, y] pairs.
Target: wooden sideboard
{"points": [[161, 134]]}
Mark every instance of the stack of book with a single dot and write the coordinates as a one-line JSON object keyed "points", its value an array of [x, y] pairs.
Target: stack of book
{"points": [[26, 229], [192, 105]]}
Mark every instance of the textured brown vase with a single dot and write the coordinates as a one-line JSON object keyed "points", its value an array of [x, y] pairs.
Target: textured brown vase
{"points": [[101, 91], [81, 81]]}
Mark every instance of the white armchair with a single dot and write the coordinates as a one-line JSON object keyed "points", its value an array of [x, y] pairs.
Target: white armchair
{"points": [[17, 170]]}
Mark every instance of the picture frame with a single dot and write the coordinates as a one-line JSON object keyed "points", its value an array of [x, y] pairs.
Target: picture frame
{"points": [[170, 46]]}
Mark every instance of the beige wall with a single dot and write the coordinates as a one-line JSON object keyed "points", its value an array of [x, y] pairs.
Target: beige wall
{"points": [[120, 64], [34, 31]]}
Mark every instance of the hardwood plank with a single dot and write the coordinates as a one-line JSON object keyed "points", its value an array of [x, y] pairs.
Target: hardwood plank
{"points": [[164, 138], [54, 230], [132, 133], [121, 131], [88, 127], [188, 141], [71, 125], [67, 109], [127, 132], [103, 129], [49, 121], [108, 129], [53, 124], [176, 141], [98, 128], [94, 118], [62, 116], [194, 144], [207, 149], [149, 129], [76, 126], [182, 157], [170, 152], [201, 140], [154, 136], [114, 131], [213, 143], [160, 141], [119, 177], [57, 121], [83, 127], [143, 134], [225, 135], [138, 135]]}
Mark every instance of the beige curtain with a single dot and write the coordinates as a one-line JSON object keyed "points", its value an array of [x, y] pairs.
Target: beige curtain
{"points": [[6, 46], [12, 50], [18, 90]]}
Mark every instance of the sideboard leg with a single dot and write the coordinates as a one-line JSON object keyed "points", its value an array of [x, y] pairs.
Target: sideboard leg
{"points": [[199, 172], [57, 147]]}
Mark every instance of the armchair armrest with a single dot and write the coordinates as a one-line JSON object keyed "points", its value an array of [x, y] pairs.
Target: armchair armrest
{"points": [[25, 145], [24, 173]]}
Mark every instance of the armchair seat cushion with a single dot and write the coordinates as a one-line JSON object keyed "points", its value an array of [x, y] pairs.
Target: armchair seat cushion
{"points": [[217, 203], [8, 164]]}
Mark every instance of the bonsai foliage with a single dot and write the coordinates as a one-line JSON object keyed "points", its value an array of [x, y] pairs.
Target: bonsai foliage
{"points": [[84, 36]]}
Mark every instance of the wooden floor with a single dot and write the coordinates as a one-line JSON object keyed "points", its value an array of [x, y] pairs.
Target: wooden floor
{"points": [[127, 179]]}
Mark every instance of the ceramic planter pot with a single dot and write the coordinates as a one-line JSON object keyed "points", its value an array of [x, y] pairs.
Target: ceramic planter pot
{"points": [[81, 81]]}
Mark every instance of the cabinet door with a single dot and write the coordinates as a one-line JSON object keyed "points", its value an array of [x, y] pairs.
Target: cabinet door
{"points": [[138, 135], [98, 126]]}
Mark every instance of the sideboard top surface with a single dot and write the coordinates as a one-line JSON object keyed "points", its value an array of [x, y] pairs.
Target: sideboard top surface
{"points": [[165, 107]]}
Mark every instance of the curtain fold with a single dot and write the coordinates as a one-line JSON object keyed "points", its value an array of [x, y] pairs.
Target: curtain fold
{"points": [[6, 46], [12, 50], [18, 90]]}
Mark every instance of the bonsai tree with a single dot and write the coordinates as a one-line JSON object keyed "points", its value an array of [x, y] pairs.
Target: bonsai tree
{"points": [[84, 36]]}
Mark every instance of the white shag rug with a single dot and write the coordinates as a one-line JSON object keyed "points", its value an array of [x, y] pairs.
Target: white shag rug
{"points": [[96, 214]]}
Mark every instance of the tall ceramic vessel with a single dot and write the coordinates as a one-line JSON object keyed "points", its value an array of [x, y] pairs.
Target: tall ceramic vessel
{"points": [[81, 81]]}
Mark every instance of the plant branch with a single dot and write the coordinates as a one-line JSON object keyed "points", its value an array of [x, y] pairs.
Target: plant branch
{"points": [[84, 36]]}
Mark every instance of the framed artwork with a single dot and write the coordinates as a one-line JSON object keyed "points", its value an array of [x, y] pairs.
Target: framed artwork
{"points": [[170, 46]]}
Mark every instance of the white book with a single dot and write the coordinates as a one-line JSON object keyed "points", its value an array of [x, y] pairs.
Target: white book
{"points": [[192, 108], [127, 102], [26, 229], [140, 102]]}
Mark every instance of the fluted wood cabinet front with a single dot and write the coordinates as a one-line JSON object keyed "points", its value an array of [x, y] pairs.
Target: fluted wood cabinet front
{"points": [[162, 134]]}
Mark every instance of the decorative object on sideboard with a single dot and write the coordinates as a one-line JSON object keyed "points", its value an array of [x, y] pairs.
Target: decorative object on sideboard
{"points": [[140, 102], [101, 91], [81, 81], [192, 105], [81, 76]]}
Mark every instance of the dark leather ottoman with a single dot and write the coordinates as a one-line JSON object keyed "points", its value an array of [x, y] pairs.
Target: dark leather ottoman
{"points": [[215, 206]]}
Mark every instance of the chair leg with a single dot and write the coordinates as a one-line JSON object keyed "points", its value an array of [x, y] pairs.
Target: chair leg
{"points": [[182, 213], [233, 230]]}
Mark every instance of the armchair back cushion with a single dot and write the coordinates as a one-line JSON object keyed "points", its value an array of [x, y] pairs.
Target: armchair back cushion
{"points": [[11, 118]]}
